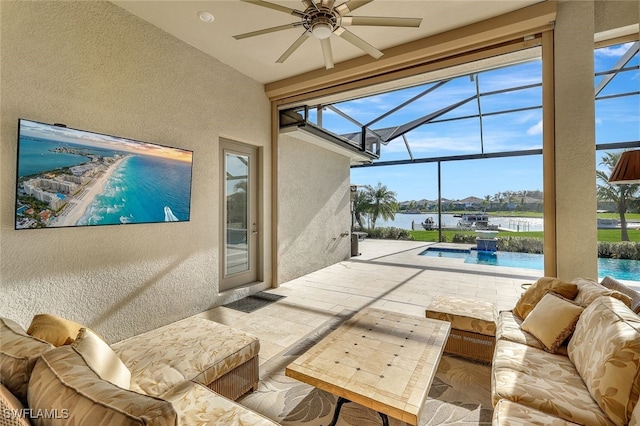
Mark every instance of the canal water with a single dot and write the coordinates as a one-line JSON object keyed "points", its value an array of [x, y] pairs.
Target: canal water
{"points": [[516, 224]]}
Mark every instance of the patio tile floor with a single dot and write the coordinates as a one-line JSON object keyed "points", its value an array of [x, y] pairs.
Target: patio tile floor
{"points": [[387, 275]]}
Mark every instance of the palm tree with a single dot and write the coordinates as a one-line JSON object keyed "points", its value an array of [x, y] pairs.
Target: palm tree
{"points": [[361, 206], [383, 203], [498, 199], [486, 203], [618, 194]]}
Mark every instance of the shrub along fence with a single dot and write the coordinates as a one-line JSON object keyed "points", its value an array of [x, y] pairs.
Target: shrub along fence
{"points": [[621, 250], [612, 250], [388, 233]]}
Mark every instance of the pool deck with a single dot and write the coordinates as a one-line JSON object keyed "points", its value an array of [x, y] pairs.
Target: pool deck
{"points": [[387, 275]]}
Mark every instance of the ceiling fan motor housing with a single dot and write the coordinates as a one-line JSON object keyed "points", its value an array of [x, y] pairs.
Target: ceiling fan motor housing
{"points": [[320, 21]]}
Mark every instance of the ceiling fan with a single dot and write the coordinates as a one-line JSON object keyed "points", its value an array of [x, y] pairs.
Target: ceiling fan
{"points": [[322, 18]]}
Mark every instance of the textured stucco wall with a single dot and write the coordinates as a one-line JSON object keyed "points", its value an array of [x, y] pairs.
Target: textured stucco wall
{"points": [[93, 66], [575, 140], [313, 208], [615, 14]]}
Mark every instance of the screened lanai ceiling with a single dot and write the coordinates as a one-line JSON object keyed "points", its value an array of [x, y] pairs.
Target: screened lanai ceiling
{"points": [[490, 108]]}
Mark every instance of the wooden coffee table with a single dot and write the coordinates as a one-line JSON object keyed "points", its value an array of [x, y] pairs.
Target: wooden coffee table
{"points": [[382, 360]]}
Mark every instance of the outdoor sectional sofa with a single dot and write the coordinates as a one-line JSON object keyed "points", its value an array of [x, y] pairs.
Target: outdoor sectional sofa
{"points": [[568, 353], [163, 377]]}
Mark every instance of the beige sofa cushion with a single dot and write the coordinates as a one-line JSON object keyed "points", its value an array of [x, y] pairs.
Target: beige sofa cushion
{"points": [[589, 290], [605, 349], [18, 355], [532, 296], [102, 359], [198, 405], [63, 383], [546, 382], [55, 330], [552, 321], [205, 351], [509, 413]]}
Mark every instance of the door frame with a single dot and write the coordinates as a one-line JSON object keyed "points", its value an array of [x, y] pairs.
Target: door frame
{"points": [[255, 273]]}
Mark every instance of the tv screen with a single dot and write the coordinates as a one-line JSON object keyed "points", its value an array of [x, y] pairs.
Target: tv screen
{"points": [[69, 177]]}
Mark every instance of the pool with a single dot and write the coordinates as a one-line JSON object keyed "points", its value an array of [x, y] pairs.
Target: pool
{"points": [[622, 269]]}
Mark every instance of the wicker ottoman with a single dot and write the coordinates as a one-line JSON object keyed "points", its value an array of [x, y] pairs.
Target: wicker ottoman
{"points": [[473, 326]]}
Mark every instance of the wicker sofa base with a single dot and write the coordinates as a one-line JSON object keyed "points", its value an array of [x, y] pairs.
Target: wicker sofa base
{"points": [[238, 381], [474, 346]]}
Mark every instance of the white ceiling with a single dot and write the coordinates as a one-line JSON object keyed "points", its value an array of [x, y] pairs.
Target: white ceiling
{"points": [[256, 56]]}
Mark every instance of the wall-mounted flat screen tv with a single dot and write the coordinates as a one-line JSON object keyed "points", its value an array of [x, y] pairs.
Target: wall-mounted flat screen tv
{"points": [[69, 177]]}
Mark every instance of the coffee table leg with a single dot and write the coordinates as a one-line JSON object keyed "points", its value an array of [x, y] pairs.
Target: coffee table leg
{"points": [[341, 401], [336, 413], [385, 419]]}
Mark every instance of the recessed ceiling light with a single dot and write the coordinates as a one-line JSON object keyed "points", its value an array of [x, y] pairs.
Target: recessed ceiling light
{"points": [[206, 17]]}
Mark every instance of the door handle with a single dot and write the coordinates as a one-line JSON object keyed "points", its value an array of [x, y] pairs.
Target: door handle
{"points": [[254, 231]]}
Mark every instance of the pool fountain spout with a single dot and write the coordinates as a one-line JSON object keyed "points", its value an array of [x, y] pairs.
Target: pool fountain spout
{"points": [[486, 242]]}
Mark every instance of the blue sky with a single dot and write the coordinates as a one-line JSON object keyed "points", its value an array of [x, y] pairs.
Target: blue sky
{"points": [[617, 120]]}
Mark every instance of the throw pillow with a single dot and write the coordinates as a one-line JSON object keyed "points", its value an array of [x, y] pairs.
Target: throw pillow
{"points": [[63, 381], [532, 296], [589, 290], [55, 330], [552, 321], [102, 359], [18, 354], [605, 349]]}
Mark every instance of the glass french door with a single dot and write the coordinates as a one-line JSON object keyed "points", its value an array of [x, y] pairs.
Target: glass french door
{"points": [[240, 215]]}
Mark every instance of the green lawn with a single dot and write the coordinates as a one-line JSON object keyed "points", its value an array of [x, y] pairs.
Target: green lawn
{"points": [[613, 235], [608, 235], [509, 213], [628, 216]]}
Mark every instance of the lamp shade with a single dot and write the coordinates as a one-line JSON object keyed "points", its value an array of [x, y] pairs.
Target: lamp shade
{"points": [[627, 170]]}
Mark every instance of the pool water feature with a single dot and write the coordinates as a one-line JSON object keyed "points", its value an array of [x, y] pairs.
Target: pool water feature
{"points": [[621, 269]]}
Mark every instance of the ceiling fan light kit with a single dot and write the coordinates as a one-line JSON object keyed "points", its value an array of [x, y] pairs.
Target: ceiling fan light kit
{"points": [[322, 19], [322, 30]]}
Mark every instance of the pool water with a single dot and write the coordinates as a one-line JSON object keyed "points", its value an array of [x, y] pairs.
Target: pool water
{"points": [[622, 269]]}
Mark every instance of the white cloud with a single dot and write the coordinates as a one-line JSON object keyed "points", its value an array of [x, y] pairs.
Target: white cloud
{"points": [[614, 52], [536, 129]]}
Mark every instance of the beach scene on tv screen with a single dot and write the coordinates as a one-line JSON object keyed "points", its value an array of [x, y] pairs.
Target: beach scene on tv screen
{"points": [[68, 177]]}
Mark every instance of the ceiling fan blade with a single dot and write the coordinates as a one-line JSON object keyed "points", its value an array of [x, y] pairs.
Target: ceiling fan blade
{"points": [[381, 21], [350, 6], [358, 42], [310, 3], [328, 3], [267, 30], [326, 52], [277, 7], [293, 47]]}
